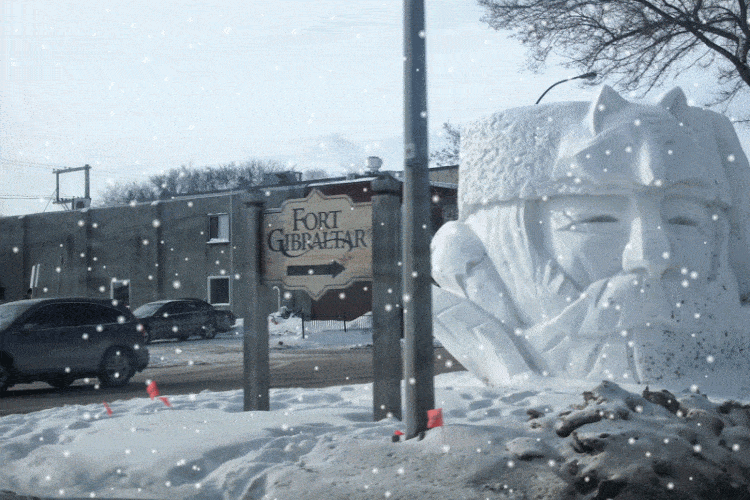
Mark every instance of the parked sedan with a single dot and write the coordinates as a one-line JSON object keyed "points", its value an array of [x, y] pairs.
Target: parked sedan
{"points": [[181, 318], [59, 340]]}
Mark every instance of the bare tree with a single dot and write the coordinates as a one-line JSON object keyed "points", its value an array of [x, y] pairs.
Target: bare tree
{"points": [[122, 194], [638, 43], [448, 154], [189, 180]]}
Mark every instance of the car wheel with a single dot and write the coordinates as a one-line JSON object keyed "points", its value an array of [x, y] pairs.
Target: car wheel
{"points": [[208, 331], [5, 377], [61, 381], [116, 368]]}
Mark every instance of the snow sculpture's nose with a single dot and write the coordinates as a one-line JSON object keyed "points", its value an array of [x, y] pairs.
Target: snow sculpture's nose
{"points": [[648, 248]]}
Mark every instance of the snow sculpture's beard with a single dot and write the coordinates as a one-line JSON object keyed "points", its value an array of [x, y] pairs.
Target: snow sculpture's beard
{"points": [[537, 285], [541, 290], [630, 328], [615, 327], [626, 302]]}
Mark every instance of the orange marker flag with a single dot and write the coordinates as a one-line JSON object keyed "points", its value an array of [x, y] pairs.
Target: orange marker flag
{"points": [[152, 390], [434, 418]]}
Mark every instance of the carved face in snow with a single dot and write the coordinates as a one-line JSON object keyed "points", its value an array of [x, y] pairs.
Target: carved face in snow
{"points": [[595, 241], [648, 234], [657, 246]]}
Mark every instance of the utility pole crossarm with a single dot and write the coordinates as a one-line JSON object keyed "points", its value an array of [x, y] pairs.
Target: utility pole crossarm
{"points": [[71, 169]]}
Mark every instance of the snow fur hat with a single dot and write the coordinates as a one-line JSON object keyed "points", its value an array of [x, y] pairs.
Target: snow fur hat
{"points": [[609, 146]]}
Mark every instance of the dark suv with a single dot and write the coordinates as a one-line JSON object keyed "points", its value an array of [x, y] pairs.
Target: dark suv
{"points": [[62, 339], [180, 318]]}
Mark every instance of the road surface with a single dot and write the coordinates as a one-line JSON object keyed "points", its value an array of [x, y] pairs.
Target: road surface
{"points": [[218, 368]]}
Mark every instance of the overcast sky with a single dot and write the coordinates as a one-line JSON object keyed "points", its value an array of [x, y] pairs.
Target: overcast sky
{"points": [[134, 88]]}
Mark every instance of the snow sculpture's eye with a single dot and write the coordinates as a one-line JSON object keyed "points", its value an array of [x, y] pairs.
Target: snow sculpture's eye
{"points": [[682, 221], [684, 213], [583, 223], [599, 219]]}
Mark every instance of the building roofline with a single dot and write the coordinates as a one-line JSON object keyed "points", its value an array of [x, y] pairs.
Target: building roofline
{"points": [[364, 177]]}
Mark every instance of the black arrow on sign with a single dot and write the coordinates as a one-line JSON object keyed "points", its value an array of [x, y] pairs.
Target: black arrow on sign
{"points": [[333, 269]]}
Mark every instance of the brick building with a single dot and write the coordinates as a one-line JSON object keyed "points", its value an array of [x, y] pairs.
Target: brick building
{"points": [[191, 246]]}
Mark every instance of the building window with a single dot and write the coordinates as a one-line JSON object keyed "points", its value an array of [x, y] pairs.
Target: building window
{"points": [[218, 290], [120, 291], [218, 228]]}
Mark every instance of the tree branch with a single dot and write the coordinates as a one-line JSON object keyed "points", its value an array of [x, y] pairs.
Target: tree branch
{"points": [[639, 41]]}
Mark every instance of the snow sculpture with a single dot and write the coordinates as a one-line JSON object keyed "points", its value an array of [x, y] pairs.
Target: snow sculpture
{"points": [[603, 240]]}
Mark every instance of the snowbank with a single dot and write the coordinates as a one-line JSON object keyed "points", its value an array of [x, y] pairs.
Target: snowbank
{"points": [[552, 440]]}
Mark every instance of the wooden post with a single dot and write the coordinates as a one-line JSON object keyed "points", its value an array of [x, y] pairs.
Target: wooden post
{"points": [[387, 326]]}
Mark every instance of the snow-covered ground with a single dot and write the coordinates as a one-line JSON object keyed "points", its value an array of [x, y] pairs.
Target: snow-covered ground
{"points": [[543, 441]]}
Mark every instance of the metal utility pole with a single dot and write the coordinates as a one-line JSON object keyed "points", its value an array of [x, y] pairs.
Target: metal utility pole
{"points": [[86, 186], [256, 369], [416, 227]]}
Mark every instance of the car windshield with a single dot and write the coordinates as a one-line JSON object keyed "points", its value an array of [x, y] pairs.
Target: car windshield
{"points": [[10, 311], [147, 309]]}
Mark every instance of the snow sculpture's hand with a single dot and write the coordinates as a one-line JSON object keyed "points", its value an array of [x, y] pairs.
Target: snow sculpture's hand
{"points": [[460, 265], [473, 314]]}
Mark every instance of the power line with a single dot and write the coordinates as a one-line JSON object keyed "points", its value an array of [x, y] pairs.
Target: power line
{"points": [[51, 197], [111, 171], [22, 197], [25, 167], [29, 163], [46, 166]]}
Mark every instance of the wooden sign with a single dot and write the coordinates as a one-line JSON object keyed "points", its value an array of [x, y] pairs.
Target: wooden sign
{"points": [[318, 243]]}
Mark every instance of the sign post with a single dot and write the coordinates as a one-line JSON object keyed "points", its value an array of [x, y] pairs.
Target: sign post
{"points": [[417, 283], [386, 298]]}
